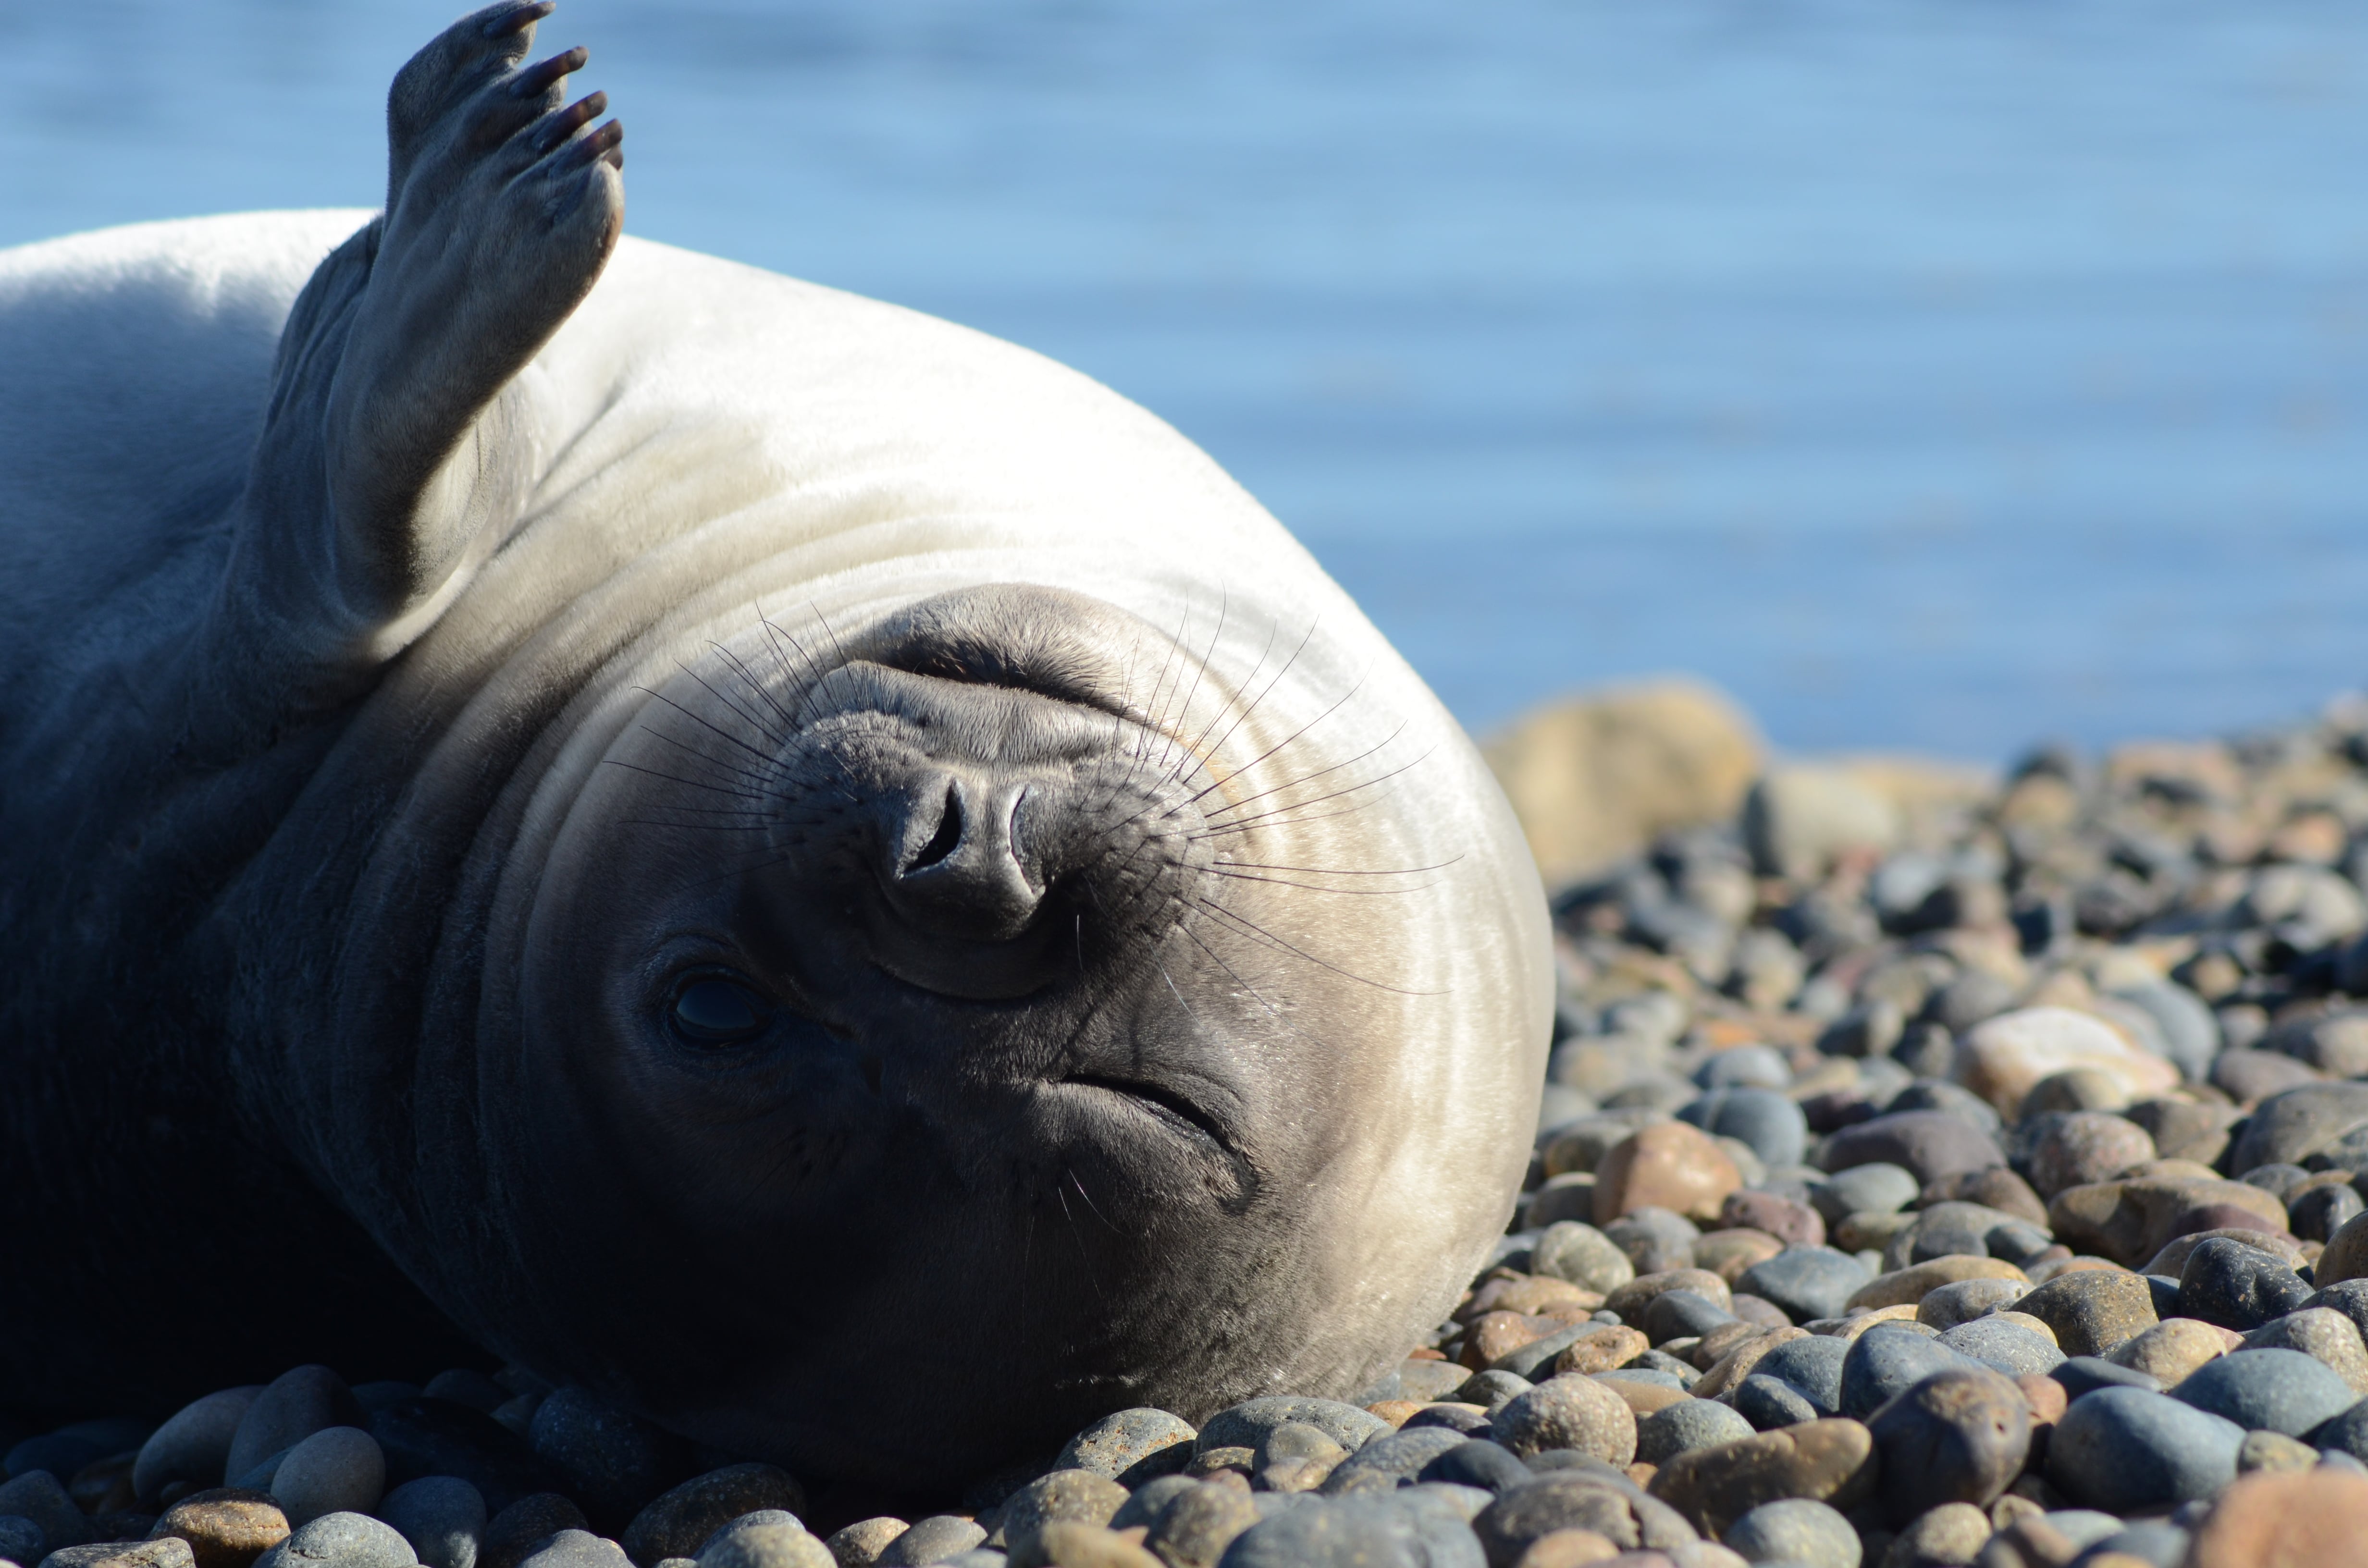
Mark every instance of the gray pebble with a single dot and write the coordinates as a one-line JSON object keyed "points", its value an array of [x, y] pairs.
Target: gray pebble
{"points": [[1805, 1282], [341, 1541], [1887, 1360], [36, 1495], [1769, 1122], [581, 1549], [1399, 1455], [1686, 1426], [1797, 1531], [1492, 1391], [194, 1445], [2238, 1286], [615, 1463], [291, 1407], [2086, 1374], [2271, 1390], [1246, 1424], [20, 1540], [1872, 1188], [442, 1516], [1769, 1403], [2157, 1542], [2011, 1347], [1583, 1256], [931, 1539], [1814, 1365], [337, 1470], [2121, 1449]]}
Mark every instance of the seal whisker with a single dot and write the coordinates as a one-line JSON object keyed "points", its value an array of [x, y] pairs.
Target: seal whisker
{"points": [[690, 783], [737, 712], [1333, 871], [1261, 933], [768, 782], [1305, 638], [1310, 777], [1317, 887], [1200, 672], [1218, 784], [757, 688], [1319, 800], [1193, 753], [768, 758], [1279, 817]]}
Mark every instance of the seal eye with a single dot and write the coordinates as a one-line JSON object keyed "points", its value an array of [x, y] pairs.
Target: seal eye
{"points": [[711, 1011]]}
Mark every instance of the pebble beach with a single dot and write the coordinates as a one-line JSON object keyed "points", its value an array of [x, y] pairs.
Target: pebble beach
{"points": [[1961, 1177]]}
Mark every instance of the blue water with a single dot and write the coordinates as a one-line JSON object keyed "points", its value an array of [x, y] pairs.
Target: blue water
{"points": [[1933, 373]]}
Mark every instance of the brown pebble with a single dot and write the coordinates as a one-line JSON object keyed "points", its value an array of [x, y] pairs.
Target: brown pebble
{"points": [[225, 1527], [1566, 1549], [1995, 1187], [2309, 1518], [1666, 1165], [2169, 1350], [1758, 1310], [1393, 1411], [1066, 1543], [2092, 1310], [1950, 1534], [1492, 1335], [1906, 1287], [1737, 1364], [861, 1542], [164, 1551], [1728, 1253], [1830, 1461], [2273, 1451], [1602, 1350], [1790, 1222], [1630, 1300], [1209, 1461]]}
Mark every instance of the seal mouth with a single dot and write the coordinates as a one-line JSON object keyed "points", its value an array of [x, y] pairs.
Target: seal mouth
{"points": [[1173, 1111]]}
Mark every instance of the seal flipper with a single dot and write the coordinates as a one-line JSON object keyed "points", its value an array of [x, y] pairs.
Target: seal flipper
{"points": [[398, 444]]}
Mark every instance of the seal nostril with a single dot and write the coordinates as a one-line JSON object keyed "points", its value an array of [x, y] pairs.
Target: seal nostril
{"points": [[945, 840]]}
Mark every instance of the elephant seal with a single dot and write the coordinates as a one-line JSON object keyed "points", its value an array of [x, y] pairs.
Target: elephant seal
{"points": [[808, 870]]}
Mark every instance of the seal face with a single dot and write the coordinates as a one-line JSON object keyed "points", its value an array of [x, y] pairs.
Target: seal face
{"points": [[801, 867]]}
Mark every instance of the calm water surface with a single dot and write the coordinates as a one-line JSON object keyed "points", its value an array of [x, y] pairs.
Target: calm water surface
{"points": [[1930, 373]]}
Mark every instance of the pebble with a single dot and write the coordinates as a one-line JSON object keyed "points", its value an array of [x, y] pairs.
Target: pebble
{"points": [[1567, 1499], [2172, 1348], [1396, 1457], [1794, 1530], [2322, 1334], [1813, 1364], [2092, 1310], [1945, 1306], [2238, 1286], [1764, 1120], [2003, 1346], [929, 1539], [2313, 1518], [444, 1519], [581, 1549], [287, 1410], [1067, 1545], [2294, 1123], [2087, 1146], [2277, 1391], [1827, 1462], [1576, 1412], [1686, 1426], [1791, 1221], [1582, 1256], [193, 1445], [2346, 1254], [2001, 1059], [2265, 1449], [1951, 1534], [169, 1552], [435, 1436], [36, 1495], [1669, 1166], [1907, 1287], [2124, 1448], [514, 1531], [677, 1522], [1131, 1446], [337, 1470], [1874, 1187], [1805, 1282], [1246, 1425], [615, 1462], [1656, 1240], [861, 1542], [225, 1528], [1887, 1360], [1959, 1436], [1197, 1526], [340, 1540], [1928, 1145]]}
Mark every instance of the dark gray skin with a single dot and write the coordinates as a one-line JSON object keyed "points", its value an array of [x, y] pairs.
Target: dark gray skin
{"points": [[858, 1016]]}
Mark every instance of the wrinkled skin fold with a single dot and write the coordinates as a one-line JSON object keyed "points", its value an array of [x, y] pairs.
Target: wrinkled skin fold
{"points": [[812, 871]]}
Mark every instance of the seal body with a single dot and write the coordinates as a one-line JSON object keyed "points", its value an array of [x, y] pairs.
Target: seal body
{"points": [[806, 869]]}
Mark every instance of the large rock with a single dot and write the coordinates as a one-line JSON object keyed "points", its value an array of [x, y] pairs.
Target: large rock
{"points": [[1600, 775], [2287, 1127], [2001, 1059], [1798, 820]]}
